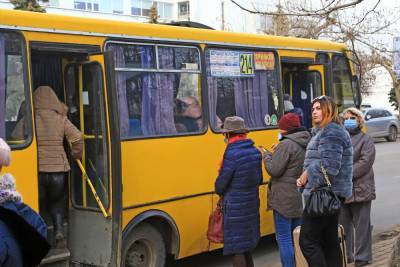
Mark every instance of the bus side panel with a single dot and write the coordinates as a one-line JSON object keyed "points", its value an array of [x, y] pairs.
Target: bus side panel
{"points": [[191, 218], [167, 168], [24, 169]]}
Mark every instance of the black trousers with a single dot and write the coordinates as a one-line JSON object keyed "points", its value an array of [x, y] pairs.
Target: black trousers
{"points": [[52, 196], [319, 241]]}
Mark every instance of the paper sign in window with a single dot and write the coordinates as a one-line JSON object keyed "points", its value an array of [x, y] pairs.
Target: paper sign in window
{"points": [[264, 60]]}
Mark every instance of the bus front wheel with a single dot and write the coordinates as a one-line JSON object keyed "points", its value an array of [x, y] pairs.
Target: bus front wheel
{"points": [[144, 247]]}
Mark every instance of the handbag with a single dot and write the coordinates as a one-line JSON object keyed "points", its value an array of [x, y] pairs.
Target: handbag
{"points": [[215, 232], [322, 200]]}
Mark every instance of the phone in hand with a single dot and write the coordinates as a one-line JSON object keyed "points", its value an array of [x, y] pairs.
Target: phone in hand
{"points": [[263, 149]]}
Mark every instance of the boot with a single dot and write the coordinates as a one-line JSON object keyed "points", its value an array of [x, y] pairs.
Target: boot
{"points": [[59, 233]]}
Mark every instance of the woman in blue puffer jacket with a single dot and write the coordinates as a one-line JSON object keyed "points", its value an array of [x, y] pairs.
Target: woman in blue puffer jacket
{"points": [[237, 183], [330, 148]]}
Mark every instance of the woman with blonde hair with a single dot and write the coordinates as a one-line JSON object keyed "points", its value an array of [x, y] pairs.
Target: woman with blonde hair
{"points": [[356, 212], [329, 150]]}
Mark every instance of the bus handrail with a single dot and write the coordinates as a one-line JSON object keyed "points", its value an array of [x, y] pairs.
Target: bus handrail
{"points": [[96, 196]]}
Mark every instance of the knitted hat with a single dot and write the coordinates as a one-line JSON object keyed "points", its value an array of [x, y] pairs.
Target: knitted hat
{"points": [[289, 121], [5, 151]]}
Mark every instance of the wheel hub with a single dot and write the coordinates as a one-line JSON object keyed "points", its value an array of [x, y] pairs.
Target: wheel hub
{"points": [[139, 255]]}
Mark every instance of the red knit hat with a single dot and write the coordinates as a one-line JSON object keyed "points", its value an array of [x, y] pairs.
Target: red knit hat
{"points": [[289, 121]]}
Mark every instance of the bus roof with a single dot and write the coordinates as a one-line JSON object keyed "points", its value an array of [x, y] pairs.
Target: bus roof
{"points": [[33, 21]]}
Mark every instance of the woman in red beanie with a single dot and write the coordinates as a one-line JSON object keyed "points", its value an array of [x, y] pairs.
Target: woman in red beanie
{"points": [[284, 166]]}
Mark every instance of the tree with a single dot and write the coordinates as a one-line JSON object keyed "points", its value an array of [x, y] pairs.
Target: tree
{"points": [[341, 21], [153, 14], [393, 100], [29, 5]]}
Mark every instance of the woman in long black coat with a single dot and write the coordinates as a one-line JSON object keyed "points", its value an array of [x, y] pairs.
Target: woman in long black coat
{"points": [[237, 184]]}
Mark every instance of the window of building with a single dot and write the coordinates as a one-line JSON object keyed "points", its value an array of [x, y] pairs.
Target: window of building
{"points": [[158, 89], [141, 7], [89, 5], [242, 83], [14, 125], [164, 9], [117, 7], [183, 8], [342, 85]]}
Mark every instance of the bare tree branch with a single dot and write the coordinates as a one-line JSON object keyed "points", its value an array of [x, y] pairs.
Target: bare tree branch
{"points": [[325, 11]]}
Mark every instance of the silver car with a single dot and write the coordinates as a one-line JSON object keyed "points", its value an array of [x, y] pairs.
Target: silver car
{"points": [[381, 122]]}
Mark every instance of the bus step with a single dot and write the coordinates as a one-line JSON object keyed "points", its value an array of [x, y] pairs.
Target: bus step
{"points": [[56, 258]]}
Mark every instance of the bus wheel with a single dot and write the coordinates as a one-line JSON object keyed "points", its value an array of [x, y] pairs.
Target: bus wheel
{"points": [[144, 247]]}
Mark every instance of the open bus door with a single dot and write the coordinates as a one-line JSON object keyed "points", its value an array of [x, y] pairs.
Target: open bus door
{"points": [[303, 86], [95, 185]]}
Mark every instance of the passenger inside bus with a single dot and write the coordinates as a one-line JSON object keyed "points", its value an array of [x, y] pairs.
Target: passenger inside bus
{"points": [[188, 116]]}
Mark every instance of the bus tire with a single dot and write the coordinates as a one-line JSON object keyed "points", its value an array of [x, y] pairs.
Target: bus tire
{"points": [[143, 247]]}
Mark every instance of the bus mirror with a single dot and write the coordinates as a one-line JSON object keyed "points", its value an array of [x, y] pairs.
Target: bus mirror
{"points": [[356, 91]]}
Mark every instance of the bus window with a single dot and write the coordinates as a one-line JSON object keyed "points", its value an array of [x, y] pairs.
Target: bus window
{"points": [[342, 90], [158, 89], [14, 127], [242, 83]]}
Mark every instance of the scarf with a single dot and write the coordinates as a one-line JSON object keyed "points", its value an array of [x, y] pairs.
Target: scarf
{"points": [[7, 189]]}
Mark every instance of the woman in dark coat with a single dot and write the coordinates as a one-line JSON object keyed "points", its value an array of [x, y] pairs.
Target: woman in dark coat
{"points": [[330, 148], [356, 213], [238, 181], [285, 165]]}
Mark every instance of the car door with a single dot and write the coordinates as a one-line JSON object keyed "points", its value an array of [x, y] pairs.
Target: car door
{"points": [[371, 122]]}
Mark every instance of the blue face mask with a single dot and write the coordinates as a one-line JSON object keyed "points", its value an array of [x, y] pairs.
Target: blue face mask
{"points": [[350, 124]]}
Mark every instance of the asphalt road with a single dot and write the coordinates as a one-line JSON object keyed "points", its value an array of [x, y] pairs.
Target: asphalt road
{"points": [[385, 212]]}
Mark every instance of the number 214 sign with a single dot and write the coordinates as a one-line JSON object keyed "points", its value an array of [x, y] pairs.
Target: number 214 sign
{"points": [[247, 64]]}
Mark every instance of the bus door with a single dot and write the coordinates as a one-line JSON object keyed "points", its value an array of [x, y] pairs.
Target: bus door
{"points": [[303, 86], [94, 214]]}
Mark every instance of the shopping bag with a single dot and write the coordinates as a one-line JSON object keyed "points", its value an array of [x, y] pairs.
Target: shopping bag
{"points": [[215, 232]]}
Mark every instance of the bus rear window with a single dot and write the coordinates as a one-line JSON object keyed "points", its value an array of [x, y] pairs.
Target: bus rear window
{"points": [[242, 83]]}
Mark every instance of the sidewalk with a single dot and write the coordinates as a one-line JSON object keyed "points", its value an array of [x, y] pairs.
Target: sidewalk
{"points": [[386, 249]]}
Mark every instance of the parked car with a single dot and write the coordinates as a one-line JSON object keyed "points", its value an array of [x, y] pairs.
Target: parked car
{"points": [[381, 122]]}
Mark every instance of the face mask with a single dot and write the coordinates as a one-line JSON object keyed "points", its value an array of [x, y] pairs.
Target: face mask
{"points": [[350, 124], [226, 140], [280, 136]]}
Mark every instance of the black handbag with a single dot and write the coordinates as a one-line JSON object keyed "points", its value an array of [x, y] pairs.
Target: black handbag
{"points": [[322, 200]]}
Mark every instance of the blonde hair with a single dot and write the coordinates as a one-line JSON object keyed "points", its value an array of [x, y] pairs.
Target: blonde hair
{"points": [[329, 110], [5, 153], [356, 112]]}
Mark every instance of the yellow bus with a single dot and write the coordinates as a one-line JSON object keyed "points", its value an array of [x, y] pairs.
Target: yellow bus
{"points": [[150, 100]]}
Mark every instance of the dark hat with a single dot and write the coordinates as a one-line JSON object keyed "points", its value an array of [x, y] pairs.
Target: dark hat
{"points": [[234, 124], [289, 121]]}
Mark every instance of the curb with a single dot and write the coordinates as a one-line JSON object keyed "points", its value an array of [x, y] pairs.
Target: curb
{"points": [[386, 250]]}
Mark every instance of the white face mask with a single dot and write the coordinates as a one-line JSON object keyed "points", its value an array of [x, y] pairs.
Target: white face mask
{"points": [[280, 136]]}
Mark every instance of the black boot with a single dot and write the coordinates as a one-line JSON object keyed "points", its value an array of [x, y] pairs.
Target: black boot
{"points": [[59, 232]]}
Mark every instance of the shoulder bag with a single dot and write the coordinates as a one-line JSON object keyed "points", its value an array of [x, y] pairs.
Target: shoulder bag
{"points": [[322, 200]]}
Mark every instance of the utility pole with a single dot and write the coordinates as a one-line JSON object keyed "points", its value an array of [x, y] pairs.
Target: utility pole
{"points": [[223, 15]]}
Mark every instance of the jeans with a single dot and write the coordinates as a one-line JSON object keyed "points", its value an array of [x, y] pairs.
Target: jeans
{"points": [[283, 230], [319, 241]]}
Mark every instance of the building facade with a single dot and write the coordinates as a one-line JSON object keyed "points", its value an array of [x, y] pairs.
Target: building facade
{"points": [[218, 14]]}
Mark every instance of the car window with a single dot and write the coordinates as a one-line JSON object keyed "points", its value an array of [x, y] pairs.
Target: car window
{"points": [[387, 114], [372, 114]]}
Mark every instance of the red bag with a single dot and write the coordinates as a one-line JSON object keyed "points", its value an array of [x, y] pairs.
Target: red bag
{"points": [[215, 231]]}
